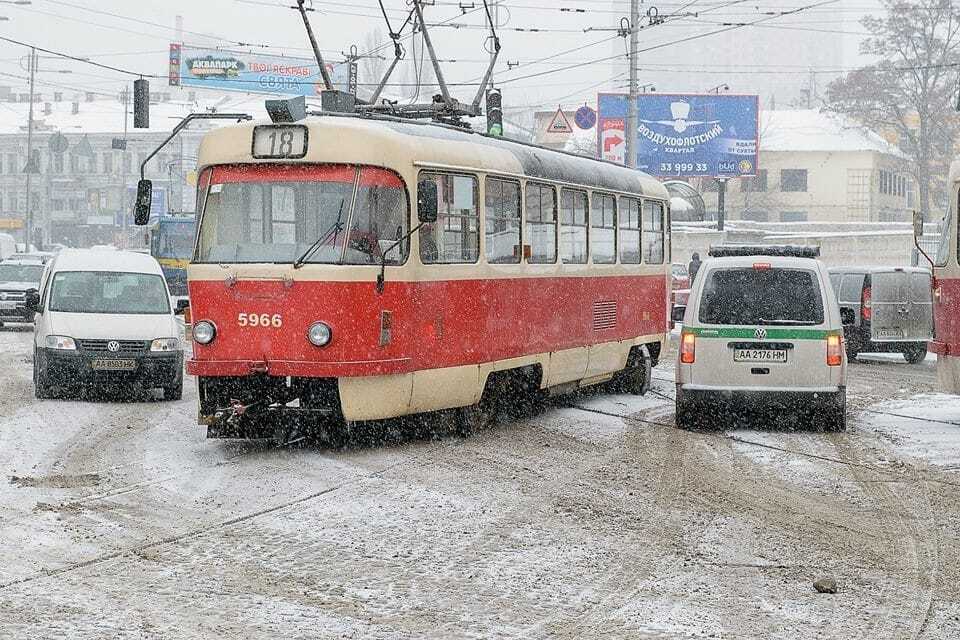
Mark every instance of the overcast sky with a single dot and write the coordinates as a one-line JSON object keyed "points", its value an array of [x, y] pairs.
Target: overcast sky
{"points": [[136, 36]]}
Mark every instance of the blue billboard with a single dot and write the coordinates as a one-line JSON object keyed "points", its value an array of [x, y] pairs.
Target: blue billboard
{"points": [[225, 70], [684, 135]]}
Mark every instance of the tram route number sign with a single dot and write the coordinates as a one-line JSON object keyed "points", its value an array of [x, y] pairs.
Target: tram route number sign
{"points": [[279, 142]]}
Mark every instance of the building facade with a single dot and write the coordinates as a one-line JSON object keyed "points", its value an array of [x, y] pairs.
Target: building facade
{"points": [[819, 167], [83, 181]]}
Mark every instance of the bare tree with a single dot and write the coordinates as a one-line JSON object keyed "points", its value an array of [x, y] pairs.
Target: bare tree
{"points": [[911, 88], [373, 65]]}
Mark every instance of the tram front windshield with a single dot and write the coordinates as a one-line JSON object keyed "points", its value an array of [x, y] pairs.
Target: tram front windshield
{"points": [[276, 213]]}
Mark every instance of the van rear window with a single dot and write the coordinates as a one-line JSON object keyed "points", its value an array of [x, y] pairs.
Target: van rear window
{"points": [[761, 297]]}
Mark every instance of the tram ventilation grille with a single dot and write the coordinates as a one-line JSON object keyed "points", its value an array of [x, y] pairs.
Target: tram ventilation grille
{"points": [[604, 315], [127, 347]]}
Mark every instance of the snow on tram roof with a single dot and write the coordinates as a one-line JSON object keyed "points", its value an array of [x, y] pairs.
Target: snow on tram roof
{"points": [[533, 161]]}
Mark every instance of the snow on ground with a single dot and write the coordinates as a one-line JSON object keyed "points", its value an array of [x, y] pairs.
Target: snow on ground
{"points": [[926, 426]]}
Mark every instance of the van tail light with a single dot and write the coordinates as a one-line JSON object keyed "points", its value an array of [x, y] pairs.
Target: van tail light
{"points": [[688, 348], [834, 351], [866, 309]]}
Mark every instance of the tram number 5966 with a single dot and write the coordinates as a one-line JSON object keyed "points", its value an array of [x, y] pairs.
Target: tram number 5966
{"points": [[260, 320]]}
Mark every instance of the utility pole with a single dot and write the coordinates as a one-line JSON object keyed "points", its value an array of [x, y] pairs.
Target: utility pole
{"points": [[721, 202], [631, 126], [28, 233], [123, 173]]}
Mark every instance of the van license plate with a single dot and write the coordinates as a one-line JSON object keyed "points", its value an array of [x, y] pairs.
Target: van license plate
{"points": [[889, 333], [759, 355], [114, 365]]}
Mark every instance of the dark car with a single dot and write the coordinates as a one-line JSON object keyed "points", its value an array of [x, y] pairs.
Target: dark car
{"points": [[16, 278], [885, 309]]}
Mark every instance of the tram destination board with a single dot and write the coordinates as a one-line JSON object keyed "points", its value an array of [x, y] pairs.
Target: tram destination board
{"points": [[279, 142]]}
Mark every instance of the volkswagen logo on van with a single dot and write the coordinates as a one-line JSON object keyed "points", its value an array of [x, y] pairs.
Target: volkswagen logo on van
{"points": [[113, 346], [3, 295], [760, 333]]}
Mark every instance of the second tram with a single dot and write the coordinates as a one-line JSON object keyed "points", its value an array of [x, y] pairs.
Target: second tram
{"points": [[946, 293], [366, 268]]}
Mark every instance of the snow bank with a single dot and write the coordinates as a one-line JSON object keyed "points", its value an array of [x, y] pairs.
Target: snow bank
{"points": [[926, 426]]}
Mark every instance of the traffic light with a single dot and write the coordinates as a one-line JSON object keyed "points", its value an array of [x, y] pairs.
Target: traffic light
{"points": [[494, 113], [141, 104]]}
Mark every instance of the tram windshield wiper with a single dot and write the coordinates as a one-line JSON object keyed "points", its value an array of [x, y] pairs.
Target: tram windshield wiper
{"points": [[327, 235]]}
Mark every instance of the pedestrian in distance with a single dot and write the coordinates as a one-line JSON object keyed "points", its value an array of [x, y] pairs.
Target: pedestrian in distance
{"points": [[693, 267]]}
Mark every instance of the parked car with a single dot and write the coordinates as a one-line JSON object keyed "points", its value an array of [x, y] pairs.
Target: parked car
{"points": [[43, 257], [891, 309], [680, 284], [16, 278], [105, 318], [8, 246], [762, 329]]}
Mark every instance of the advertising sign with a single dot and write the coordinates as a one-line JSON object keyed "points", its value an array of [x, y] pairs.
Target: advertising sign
{"points": [[225, 70], [684, 135]]}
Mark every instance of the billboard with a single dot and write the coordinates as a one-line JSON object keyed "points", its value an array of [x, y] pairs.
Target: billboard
{"points": [[225, 70], [683, 135]]}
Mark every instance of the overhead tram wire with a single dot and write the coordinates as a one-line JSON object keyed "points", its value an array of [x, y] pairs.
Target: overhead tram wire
{"points": [[609, 39], [67, 56], [654, 47], [139, 20]]}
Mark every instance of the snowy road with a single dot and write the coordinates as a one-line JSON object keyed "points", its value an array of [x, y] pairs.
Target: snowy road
{"points": [[594, 520]]}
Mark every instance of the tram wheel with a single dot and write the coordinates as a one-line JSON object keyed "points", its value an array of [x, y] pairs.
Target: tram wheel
{"points": [[636, 379], [482, 414]]}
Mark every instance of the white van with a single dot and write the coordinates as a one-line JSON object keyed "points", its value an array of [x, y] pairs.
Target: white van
{"points": [[105, 318], [762, 330], [8, 246]]}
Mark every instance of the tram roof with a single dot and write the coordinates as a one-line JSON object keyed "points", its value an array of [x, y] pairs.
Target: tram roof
{"points": [[531, 161]]}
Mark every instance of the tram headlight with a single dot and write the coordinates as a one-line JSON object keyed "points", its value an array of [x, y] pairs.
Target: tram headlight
{"points": [[204, 332], [319, 334]]}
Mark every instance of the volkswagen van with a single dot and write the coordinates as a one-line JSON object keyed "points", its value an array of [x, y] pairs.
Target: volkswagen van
{"points": [[104, 318], [762, 331]]}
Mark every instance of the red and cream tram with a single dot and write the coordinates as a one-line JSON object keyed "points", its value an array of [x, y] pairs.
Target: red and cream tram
{"points": [[946, 293], [310, 295]]}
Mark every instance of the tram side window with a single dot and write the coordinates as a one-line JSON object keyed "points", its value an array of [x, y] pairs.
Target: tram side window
{"points": [[573, 229], [541, 205], [630, 231], [455, 236], [653, 233], [603, 232], [502, 211]]}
